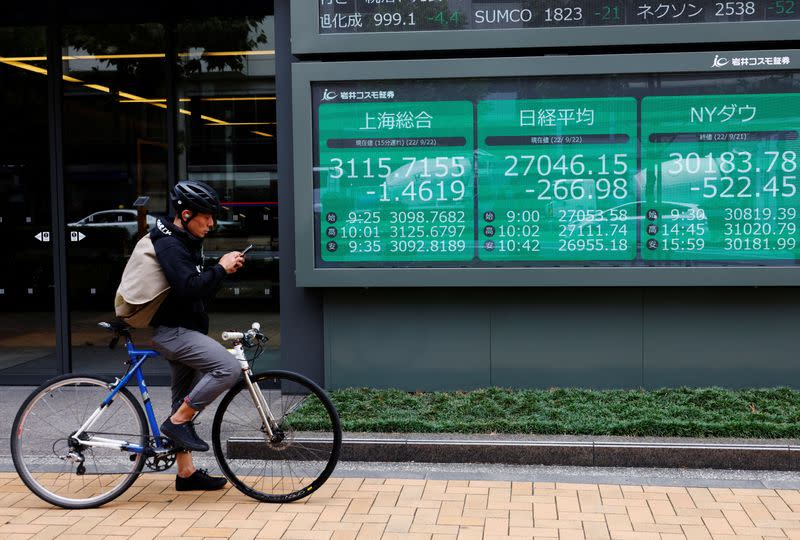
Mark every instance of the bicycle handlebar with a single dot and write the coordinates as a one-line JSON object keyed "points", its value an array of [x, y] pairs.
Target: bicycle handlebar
{"points": [[245, 337]]}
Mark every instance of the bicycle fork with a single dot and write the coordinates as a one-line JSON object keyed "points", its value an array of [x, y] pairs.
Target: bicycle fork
{"points": [[268, 423]]}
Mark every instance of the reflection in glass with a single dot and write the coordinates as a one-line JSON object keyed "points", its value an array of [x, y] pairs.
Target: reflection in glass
{"points": [[226, 137], [115, 169], [27, 332]]}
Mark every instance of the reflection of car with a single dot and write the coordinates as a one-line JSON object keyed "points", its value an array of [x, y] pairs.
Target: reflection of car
{"points": [[121, 218], [127, 219], [627, 212], [228, 227], [680, 224]]}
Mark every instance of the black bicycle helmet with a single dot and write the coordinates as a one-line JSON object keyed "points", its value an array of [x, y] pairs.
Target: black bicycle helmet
{"points": [[195, 196]]}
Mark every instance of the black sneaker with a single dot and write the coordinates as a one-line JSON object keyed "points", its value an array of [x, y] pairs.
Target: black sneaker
{"points": [[191, 425], [200, 480], [184, 436], [192, 428]]}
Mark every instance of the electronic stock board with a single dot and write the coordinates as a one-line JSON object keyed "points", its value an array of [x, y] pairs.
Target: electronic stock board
{"points": [[326, 26], [605, 170]]}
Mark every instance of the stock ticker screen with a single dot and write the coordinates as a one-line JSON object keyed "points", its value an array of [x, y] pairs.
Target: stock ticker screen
{"points": [[385, 16], [613, 170]]}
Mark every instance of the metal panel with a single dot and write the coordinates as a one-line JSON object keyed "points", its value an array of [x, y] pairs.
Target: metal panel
{"points": [[588, 338], [172, 108], [743, 337], [306, 37], [59, 234], [416, 340], [301, 309], [309, 276], [540, 338]]}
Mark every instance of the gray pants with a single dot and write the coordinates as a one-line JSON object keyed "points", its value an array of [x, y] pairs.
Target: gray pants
{"points": [[202, 369]]}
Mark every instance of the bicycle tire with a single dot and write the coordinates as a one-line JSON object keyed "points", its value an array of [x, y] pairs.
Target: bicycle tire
{"points": [[306, 453], [54, 411]]}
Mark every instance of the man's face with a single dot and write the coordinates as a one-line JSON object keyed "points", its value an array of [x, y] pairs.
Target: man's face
{"points": [[200, 225]]}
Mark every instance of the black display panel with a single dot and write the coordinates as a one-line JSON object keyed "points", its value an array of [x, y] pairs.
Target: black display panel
{"points": [[629, 170], [389, 16]]}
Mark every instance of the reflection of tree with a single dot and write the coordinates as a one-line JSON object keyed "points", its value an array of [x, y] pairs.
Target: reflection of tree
{"points": [[128, 39], [218, 34], [208, 34]]}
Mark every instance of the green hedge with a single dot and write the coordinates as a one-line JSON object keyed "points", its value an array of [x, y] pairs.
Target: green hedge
{"points": [[682, 412]]}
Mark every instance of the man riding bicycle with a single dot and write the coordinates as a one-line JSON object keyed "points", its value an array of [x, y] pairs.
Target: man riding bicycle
{"points": [[202, 369]]}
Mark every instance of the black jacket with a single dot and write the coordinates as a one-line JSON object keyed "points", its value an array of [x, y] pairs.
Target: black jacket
{"points": [[181, 258]]}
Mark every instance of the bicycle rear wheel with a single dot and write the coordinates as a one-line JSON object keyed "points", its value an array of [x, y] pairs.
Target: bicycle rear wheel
{"points": [[77, 476], [303, 450]]}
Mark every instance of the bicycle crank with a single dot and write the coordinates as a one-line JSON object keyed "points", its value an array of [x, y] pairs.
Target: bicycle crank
{"points": [[159, 460]]}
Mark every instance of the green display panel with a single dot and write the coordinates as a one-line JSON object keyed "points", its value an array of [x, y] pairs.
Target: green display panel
{"points": [[720, 178], [557, 179], [602, 171], [396, 181]]}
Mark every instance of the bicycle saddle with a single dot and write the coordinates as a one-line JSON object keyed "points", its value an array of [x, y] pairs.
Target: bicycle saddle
{"points": [[119, 328], [116, 326]]}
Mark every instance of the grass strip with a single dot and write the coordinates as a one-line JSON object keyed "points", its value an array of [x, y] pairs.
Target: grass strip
{"points": [[679, 412]]}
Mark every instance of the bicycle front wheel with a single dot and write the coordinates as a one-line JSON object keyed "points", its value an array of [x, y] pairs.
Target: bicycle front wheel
{"points": [[75, 475], [303, 449]]}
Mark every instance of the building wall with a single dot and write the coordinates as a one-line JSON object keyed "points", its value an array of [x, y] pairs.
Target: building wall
{"points": [[463, 337], [435, 339]]}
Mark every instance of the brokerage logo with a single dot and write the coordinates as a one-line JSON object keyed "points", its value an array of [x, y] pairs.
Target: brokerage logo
{"points": [[357, 95], [749, 61]]}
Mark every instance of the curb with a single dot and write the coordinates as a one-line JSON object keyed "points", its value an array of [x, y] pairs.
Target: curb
{"points": [[782, 457]]}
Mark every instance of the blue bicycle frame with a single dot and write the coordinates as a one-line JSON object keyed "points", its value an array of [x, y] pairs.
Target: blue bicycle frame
{"points": [[138, 357]]}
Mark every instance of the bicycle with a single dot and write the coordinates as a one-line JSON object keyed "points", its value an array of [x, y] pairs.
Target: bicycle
{"points": [[276, 435]]}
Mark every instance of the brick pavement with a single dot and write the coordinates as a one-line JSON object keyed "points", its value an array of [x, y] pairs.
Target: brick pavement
{"points": [[380, 508]]}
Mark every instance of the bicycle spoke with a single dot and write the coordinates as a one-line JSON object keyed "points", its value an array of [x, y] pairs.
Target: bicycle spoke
{"points": [[311, 452], [240, 418], [46, 421], [52, 410], [75, 409], [108, 417], [288, 466], [86, 409], [248, 426], [43, 456]]}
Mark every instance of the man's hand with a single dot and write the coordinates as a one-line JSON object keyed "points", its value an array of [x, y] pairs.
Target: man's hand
{"points": [[232, 261]]}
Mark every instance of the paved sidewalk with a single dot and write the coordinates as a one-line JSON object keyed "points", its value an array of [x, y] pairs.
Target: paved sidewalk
{"points": [[385, 508]]}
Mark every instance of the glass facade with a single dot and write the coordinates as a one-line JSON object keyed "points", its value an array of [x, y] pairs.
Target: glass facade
{"points": [[115, 152], [226, 138], [27, 320], [141, 104]]}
